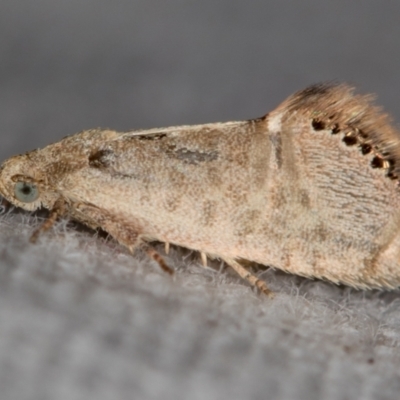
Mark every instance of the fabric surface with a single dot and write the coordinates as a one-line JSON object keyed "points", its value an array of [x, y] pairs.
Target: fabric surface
{"points": [[81, 318]]}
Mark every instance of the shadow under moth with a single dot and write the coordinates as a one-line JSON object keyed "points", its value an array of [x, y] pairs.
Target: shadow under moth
{"points": [[311, 188]]}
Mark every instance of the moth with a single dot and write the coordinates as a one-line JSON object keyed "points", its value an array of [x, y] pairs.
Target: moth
{"points": [[311, 188]]}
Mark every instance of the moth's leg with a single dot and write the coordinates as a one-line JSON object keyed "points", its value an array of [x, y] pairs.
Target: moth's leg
{"points": [[152, 253], [203, 258], [126, 234], [57, 211], [249, 277], [167, 246]]}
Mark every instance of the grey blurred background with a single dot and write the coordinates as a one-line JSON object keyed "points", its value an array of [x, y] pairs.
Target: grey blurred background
{"points": [[72, 65]]}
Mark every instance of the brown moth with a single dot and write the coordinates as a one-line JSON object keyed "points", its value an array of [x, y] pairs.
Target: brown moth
{"points": [[311, 188]]}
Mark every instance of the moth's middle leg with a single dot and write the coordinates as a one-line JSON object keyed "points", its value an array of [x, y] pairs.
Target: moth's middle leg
{"points": [[249, 277]]}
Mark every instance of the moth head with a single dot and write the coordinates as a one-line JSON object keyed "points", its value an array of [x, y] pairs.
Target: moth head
{"points": [[23, 185]]}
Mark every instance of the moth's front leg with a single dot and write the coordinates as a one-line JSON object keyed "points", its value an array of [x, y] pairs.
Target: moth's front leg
{"points": [[126, 233], [59, 209]]}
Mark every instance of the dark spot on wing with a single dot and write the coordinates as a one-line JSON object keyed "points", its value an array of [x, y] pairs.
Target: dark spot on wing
{"points": [[350, 140], [335, 129], [366, 148], [193, 156], [101, 158], [153, 136], [318, 125], [377, 162]]}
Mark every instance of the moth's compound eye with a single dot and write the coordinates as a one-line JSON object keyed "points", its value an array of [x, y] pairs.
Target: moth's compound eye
{"points": [[26, 192]]}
